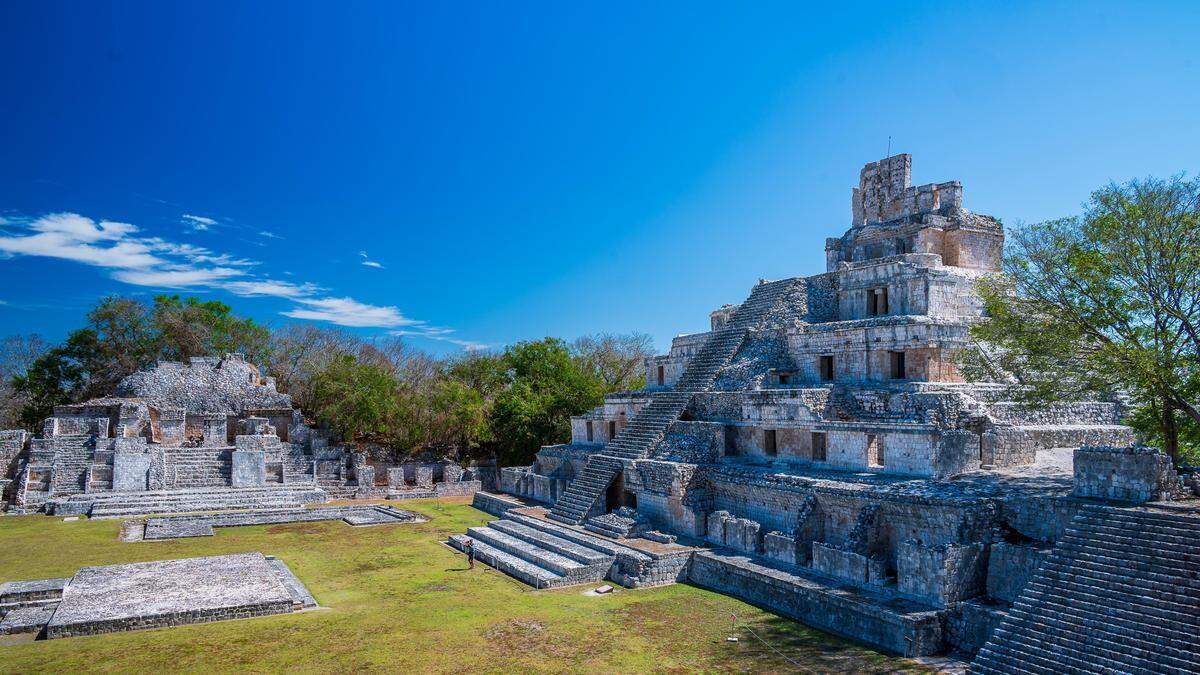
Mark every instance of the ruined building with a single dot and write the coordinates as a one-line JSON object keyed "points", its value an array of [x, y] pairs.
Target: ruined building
{"points": [[205, 435], [818, 452]]}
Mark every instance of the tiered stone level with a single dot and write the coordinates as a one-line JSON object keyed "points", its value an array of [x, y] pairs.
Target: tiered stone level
{"points": [[822, 441]]}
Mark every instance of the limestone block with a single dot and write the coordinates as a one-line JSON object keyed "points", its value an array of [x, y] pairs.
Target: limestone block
{"points": [[452, 473], [847, 565], [249, 468], [365, 475], [395, 477], [779, 546], [172, 423], [742, 534], [1132, 474], [257, 426], [424, 476], [941, 575], [215, 430], [715, 531], [256, 443], [131, 470], [1010, 567]]}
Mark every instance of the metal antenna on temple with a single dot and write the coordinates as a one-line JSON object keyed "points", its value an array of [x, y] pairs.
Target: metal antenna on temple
{"points": [[889, 152]]}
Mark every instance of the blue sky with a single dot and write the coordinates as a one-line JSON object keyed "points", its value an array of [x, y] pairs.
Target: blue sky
{"points": [[476, 174]]}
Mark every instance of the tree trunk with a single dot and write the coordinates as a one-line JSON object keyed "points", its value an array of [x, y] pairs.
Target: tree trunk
{"points": [[1170, 431]]}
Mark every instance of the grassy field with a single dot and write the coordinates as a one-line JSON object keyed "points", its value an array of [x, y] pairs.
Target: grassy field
{"points": [[396, 599]]}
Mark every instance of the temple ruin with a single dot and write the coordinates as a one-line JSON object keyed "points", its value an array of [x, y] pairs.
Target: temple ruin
{"points": [[818, 452], [207, 435]]}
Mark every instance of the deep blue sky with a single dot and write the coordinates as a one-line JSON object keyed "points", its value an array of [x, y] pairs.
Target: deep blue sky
{"points": [[517, 170]]}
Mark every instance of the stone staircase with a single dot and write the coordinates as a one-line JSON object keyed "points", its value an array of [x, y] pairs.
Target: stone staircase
{"points": [[1119, 593], [585, 494], [72, 459], [199, 467], [297, 467], [120, 504]]}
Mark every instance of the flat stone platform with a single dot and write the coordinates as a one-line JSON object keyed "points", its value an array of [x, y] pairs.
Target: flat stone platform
{"points": [[176, 527], [170, 593]]}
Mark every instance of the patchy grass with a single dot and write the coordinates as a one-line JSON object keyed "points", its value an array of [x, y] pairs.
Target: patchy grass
{"points": [[397, 599]]}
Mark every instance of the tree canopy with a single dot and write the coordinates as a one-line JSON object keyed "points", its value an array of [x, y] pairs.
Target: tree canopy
{"points": [[1105, 304]]}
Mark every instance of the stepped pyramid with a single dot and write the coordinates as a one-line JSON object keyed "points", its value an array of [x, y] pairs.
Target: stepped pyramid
{"points": [[647, 427], [1119, 594]]}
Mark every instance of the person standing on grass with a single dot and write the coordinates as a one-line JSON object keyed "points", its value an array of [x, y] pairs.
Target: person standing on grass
{"points": [[470, 551]]}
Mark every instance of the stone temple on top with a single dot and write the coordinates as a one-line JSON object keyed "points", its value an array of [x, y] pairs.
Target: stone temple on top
{"points": [[818, 452]]}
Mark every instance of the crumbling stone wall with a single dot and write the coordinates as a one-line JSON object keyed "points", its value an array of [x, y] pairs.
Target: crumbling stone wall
{"points": [[205, 385], [1133, 474]]}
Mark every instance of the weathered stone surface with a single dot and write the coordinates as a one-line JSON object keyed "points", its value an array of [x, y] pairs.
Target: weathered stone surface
{"points": [[1132, 474], [168, 593], [249, 467]]}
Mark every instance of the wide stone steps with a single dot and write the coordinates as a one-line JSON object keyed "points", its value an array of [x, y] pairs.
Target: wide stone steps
{"points": [[513, 566], [1118, 625], [1120, 593], [582, 554], [119, 504], [530, 552]]}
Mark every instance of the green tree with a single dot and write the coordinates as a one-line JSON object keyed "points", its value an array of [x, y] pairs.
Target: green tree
{"points": [[1105, 304], [356, 399], [184, 328], [546, 387]]}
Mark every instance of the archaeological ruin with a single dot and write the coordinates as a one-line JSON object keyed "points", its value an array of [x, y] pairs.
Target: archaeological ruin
{"points": [[206, 435], [818, 453]]}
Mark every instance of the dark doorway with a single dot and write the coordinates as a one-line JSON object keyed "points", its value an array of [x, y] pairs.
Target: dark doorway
{"points": [[818, 446], [661, 379], [826, 368], [617, 496], [770, 443], [898, 365]]}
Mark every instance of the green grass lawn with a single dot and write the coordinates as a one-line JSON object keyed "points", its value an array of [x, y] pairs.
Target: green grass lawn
{"points": [[396, 599]]}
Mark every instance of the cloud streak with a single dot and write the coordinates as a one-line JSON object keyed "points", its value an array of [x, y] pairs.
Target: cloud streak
{"points": [[133, 258], [198, 223], [367, 262]]}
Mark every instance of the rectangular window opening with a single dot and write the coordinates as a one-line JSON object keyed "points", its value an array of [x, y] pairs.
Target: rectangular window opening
{"points": [[818, 446], [877, 302], [612, 429], [826, 368], [874, 451], [589, 431], [898, 367], [661, 379], [769, 442]]}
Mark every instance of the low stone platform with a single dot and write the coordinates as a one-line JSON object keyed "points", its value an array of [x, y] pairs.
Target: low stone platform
{"points": [[177, 527], [172, 593], [193, 500], [894, 624]]}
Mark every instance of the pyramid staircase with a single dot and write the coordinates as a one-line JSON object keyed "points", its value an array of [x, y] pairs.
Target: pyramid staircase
{"points": [[72, 459], [1120, 593], [585, 495]]}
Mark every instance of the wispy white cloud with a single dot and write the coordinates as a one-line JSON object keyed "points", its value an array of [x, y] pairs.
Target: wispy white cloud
{"points": [[271, 288], [155, 262], [268, 235], [439, 334], [367, 262], [349, 312], [198, 223]]}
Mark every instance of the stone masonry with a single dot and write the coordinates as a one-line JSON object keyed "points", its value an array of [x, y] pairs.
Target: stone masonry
{"points": [[845, 474]]}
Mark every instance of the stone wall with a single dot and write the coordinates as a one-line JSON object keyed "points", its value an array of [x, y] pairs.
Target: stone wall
{"points": [[1010, 566], [227, 385], [941, 575], [1131, 474]]}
